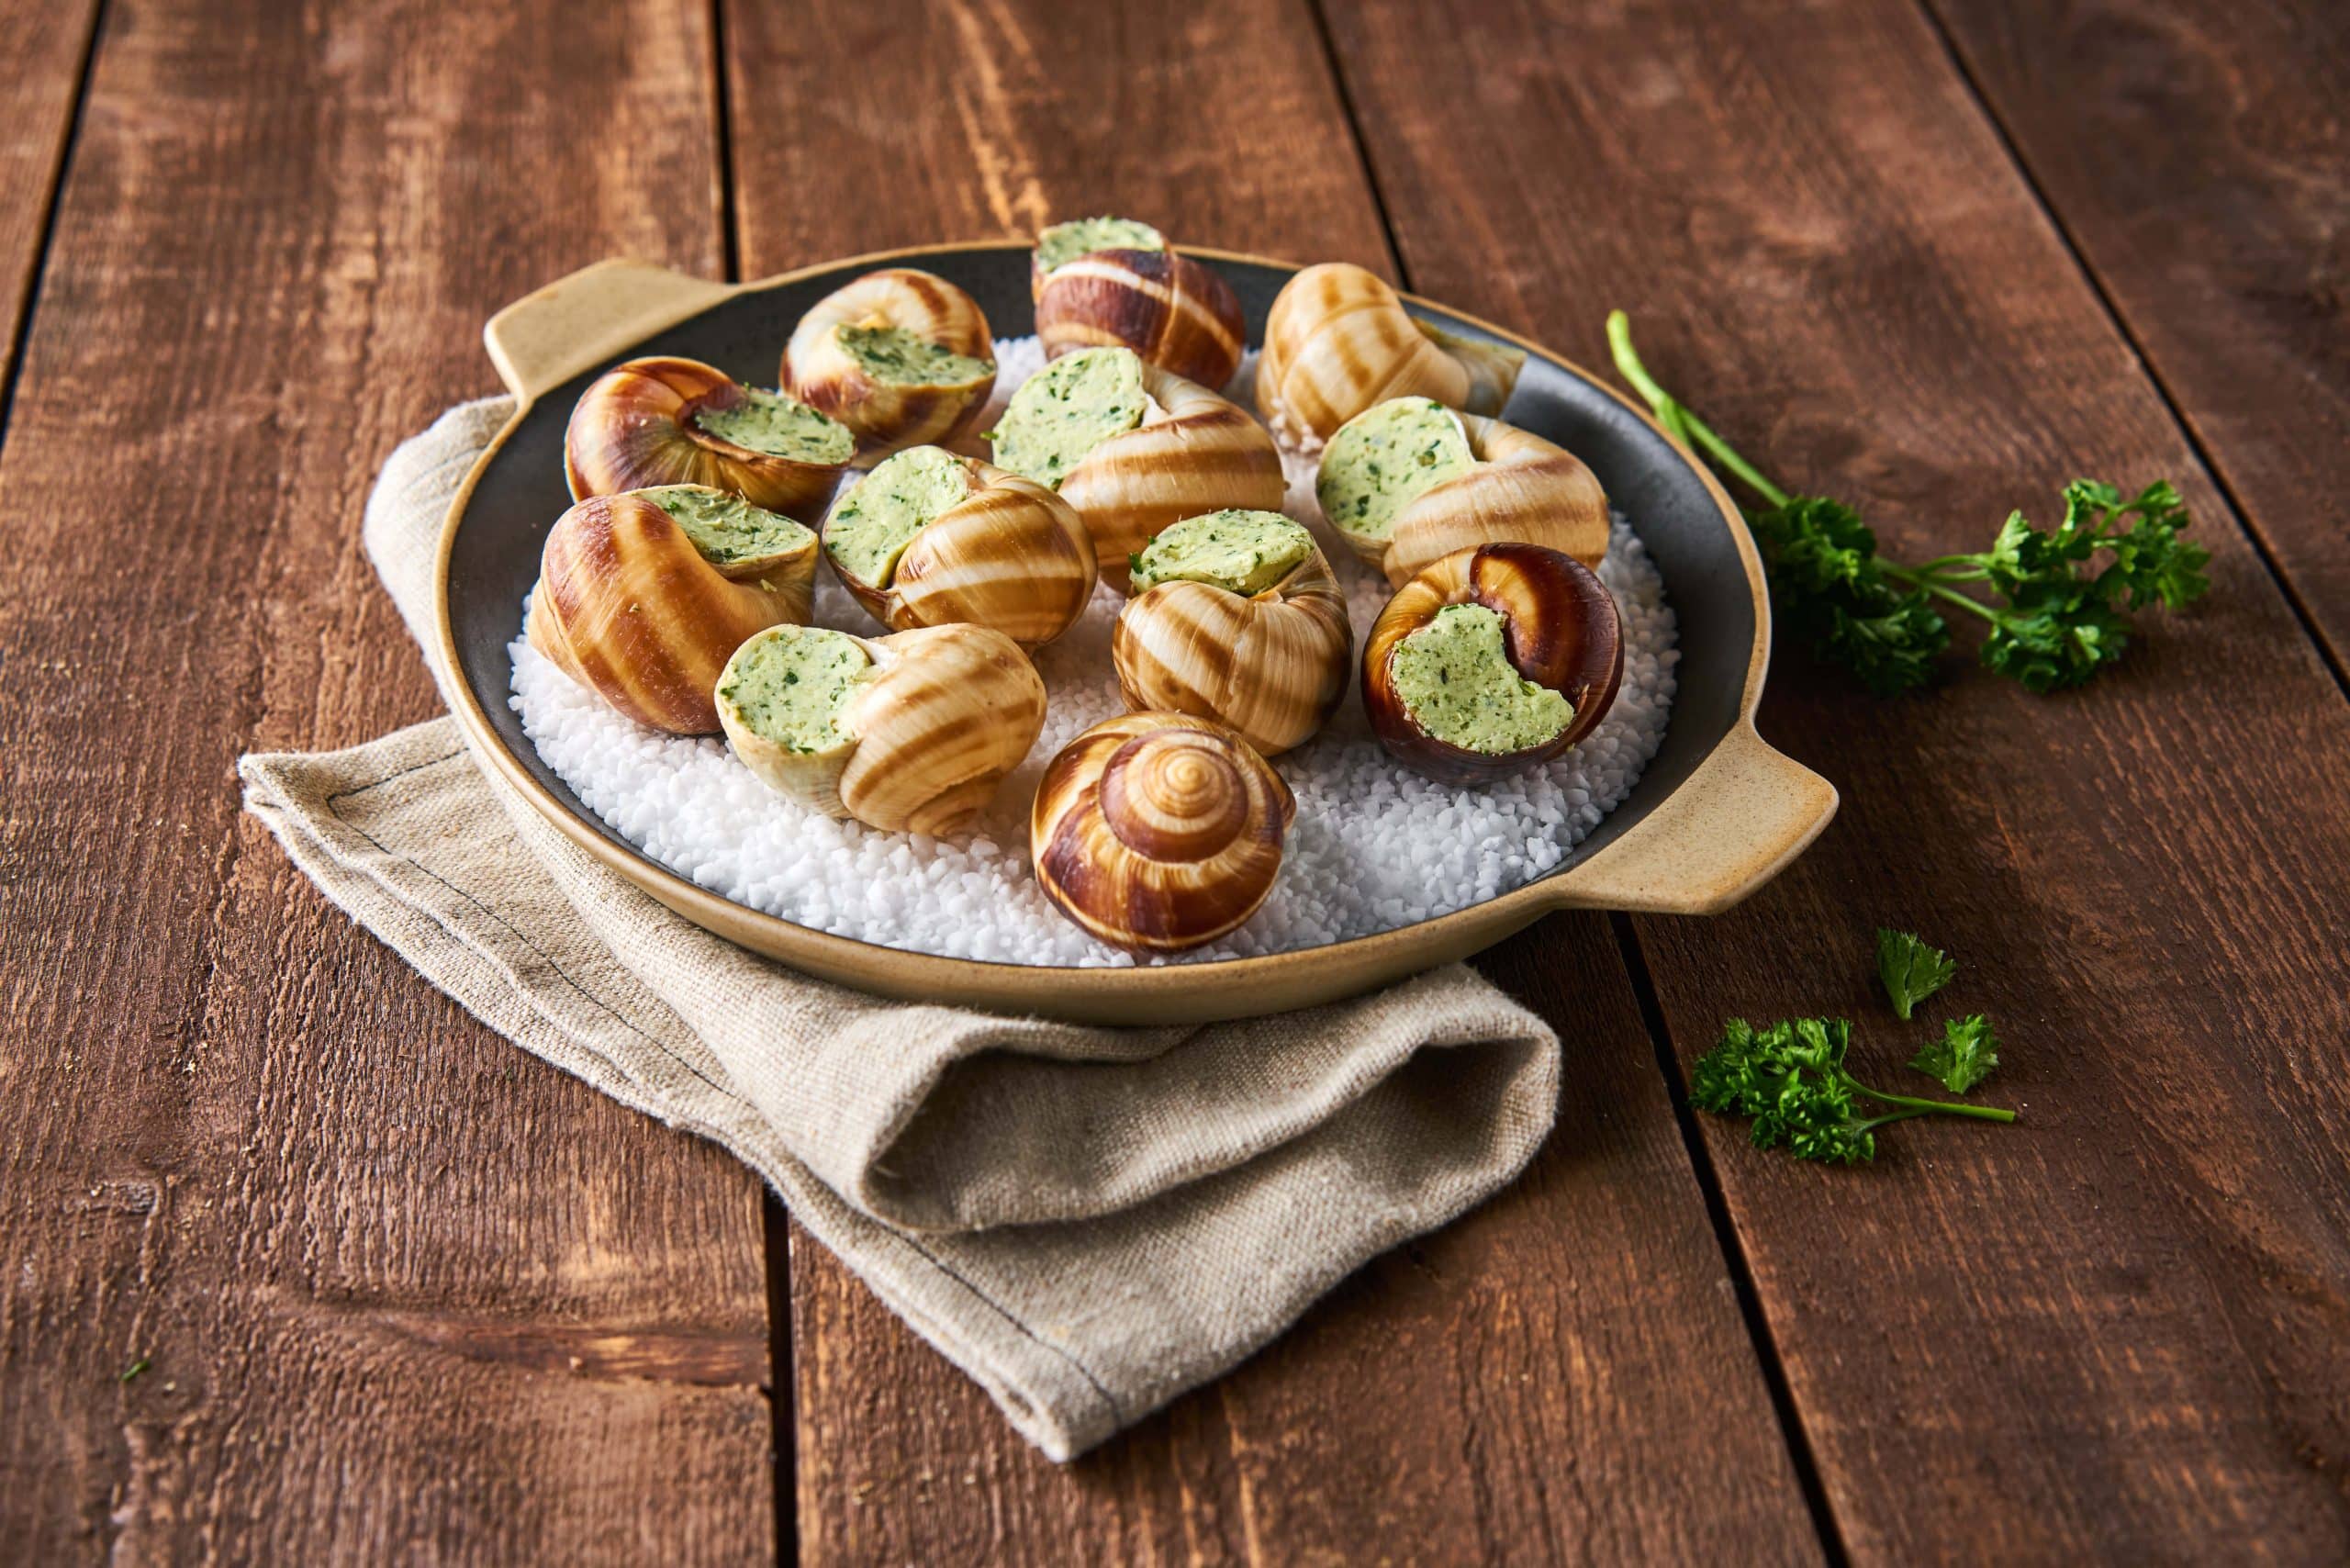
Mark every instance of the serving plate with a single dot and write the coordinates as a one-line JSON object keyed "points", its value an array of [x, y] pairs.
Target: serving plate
{"points": [[1717, 814]]}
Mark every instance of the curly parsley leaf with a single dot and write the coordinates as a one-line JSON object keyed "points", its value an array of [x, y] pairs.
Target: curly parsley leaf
{"points": [[1790, 1078], [2064, 595], [1963, 1057], [1911, 971]]}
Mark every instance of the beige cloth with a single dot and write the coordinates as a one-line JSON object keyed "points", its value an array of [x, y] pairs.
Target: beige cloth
{"points": [[1088, 1221]]}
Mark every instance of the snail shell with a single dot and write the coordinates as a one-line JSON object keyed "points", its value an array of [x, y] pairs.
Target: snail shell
{"points": [[1274, 668], [635, 428], [1177, 313], [1523, 490], [1206, 453], [1562, 632], [1159, 831], [887, 416], [1339, 341], [948, 711], [1012, 556], [627, 607]]}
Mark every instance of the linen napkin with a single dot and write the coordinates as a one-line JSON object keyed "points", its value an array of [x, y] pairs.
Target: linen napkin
{"points": [[1088, 1221]]}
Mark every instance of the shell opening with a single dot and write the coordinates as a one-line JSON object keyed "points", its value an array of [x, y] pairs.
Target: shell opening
{"points": [[731, 533], [795, 686], [896, 358], [1064, 242], [776, 425], [1385, 458], [1066, 409], [879, 516], [1455, 679], [1239, 551]]}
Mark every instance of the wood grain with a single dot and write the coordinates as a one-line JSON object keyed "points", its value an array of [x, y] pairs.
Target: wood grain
{"points": [[47, 44], [2115, 1331], [400, 1291], [1564, 1374], [2199, 155]]}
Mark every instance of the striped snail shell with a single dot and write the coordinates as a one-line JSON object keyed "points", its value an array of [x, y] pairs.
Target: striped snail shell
{"points": [[1562, 632], [627, 606], [1158, 833], [888, 415], [1523, 490], [638, 426], [1272, 667], [946, 713], [1339, 340], [1012, 555], [1177, 313], [1205, 453]]}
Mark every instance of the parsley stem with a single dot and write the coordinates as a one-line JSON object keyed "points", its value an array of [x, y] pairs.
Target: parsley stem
{"points": [[1931, 1108], [1919, 580], [1676, 417]]}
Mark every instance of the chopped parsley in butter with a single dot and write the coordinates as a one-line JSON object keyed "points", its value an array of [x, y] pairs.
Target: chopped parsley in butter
{"points": [[1068, 409], [791, 686], [1455, 679], [874, 521], [778, 426], [1384, 459], [728, 530], [894, 355], [1241, 552], [1064, 242]]}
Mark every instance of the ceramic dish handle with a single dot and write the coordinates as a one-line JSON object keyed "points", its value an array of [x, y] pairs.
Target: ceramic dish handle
{"points": [[576, 323], [1745, 812]]}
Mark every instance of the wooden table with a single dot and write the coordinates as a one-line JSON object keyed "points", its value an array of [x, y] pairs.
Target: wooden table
{"points": [[400, 1291]]}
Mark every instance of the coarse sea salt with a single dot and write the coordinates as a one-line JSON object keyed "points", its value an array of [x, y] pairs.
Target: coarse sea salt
{"points": [[1375, 846]]}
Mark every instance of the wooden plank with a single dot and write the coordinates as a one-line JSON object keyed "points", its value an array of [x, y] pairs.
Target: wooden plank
{"points": [[2114, 1332], [48, 42], [1564, 1372], [2195, 153], [400, 1291]]}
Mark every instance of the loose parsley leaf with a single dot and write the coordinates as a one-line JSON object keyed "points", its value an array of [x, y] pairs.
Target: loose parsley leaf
{"points": [[1963, 1057], [1790, 1078], [133, 1370], [2064, 595], [1911, 971]]}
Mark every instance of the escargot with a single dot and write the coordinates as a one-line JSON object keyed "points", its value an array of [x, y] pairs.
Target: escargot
{"points": [[679, 421], [1237, 618], [1085, 425], [909, 733], [642, 596], [1408, 480], [901, 357], [1159, 831], [1491, 660], [1113, 281], [929, 537], [1339, 341]]}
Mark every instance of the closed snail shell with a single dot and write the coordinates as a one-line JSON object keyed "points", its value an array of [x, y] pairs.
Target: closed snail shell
{"points": [[628, 606], [861, 356], [1205, 454], [1158, 833], [1559, 638], [990, 547], [1271, 665], [914, 738], [650, 421], [1177, 313], [1465, 480], [1339, 340]]}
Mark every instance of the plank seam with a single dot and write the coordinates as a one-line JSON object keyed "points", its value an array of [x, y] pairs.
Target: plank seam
{"points": [[1348, 112], [52, 199], [1742, 1274], [2238, 510]]}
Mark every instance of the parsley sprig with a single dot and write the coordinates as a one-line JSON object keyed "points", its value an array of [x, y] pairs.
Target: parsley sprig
{"points": [[1791, 1079], [1911, 971], [2063, 597]]}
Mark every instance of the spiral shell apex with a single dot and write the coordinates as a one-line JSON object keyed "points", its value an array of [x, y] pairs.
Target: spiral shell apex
{"points": [[890, 405], [641, 424], [1158, 833], [1339, 340], [1177, 313], [626, 606]]}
